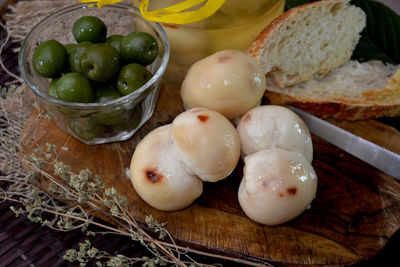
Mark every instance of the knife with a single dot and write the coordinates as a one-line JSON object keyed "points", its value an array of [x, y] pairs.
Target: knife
{"points": [[379, 157]]}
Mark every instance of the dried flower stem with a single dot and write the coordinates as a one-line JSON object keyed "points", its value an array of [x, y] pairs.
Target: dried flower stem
{"points": [[129, 220], [161, 243], [5, 41]]}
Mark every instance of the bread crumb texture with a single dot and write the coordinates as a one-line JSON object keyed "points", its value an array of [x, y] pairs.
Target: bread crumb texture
{"points": [[309, 39], [352, 91], [353, 82]]}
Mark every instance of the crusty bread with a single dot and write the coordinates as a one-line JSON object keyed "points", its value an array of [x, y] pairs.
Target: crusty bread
{"points": [[352, 91], [312, 38]]}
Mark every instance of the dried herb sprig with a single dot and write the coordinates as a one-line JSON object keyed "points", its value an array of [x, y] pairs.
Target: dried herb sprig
{"points": [[85, 188], [100, 198], [89, 189], [86, 253]]}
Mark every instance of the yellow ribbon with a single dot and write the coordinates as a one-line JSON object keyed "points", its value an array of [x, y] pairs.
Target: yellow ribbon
{"points": [[175, 14], [101, 3], [179, 14]]}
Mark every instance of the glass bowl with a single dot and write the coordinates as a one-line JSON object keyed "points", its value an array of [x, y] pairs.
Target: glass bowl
{"points": [[96, 123]]}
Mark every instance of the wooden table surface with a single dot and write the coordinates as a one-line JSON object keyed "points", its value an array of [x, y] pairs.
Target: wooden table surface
{"points": [[23, 242]]}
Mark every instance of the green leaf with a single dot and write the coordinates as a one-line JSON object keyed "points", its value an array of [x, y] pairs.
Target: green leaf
{"points": [[293, 3], [381, 37], [367, 50]]}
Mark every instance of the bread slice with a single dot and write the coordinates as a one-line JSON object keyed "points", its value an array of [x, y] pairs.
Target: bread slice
{"points": [[352, 91], [312, 38]]}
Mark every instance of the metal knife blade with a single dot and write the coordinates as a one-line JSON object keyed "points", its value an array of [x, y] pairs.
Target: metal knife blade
{"points": [[379, 157]]}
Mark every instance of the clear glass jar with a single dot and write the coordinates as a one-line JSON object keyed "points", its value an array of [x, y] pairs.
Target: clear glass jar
{"points": [[234, 26], [96, 123]]}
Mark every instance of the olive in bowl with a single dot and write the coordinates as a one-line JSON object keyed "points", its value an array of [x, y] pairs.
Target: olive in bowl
{"points": [[89, 29], [49, 58], [100, 62], [89, 122]]}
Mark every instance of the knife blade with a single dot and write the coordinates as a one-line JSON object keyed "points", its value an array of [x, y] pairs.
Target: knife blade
{"points": [[379, 157]]}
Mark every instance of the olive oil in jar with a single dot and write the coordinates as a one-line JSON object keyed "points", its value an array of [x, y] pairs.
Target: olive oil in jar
{"points": [[234, 26]]}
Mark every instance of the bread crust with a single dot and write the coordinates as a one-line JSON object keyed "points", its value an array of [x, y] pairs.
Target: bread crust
{"points": [[257, 47], [340, 108]]}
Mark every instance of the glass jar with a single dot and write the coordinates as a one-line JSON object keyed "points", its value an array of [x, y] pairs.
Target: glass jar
{"points": [[234, 26], [96, 123]]}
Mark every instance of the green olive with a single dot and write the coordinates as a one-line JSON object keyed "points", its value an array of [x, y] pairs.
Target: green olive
{"points": [[50, 58], [74, 87], [114, 115], [110, 117], [69, 47], [52, 89], [131, 77], [100, 62], [106, 93], [89, 28], [86, 128], [115, 41], [132, 120], [76, 54], [139, 47]]}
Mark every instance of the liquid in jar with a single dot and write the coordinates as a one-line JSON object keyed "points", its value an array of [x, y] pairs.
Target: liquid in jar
{"points": [[234, 26]]}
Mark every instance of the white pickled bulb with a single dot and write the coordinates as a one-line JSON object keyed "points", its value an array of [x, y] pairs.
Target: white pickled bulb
{"points": [[159, 177], [277, 186], [206, 142], [272, 126], [229, 82]]}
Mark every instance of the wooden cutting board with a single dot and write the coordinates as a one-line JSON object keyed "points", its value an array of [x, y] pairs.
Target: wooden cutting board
{"points": [[356, 211]]}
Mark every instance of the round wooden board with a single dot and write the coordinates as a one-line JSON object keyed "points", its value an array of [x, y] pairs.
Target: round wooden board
{"points": [[356, 211]]}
